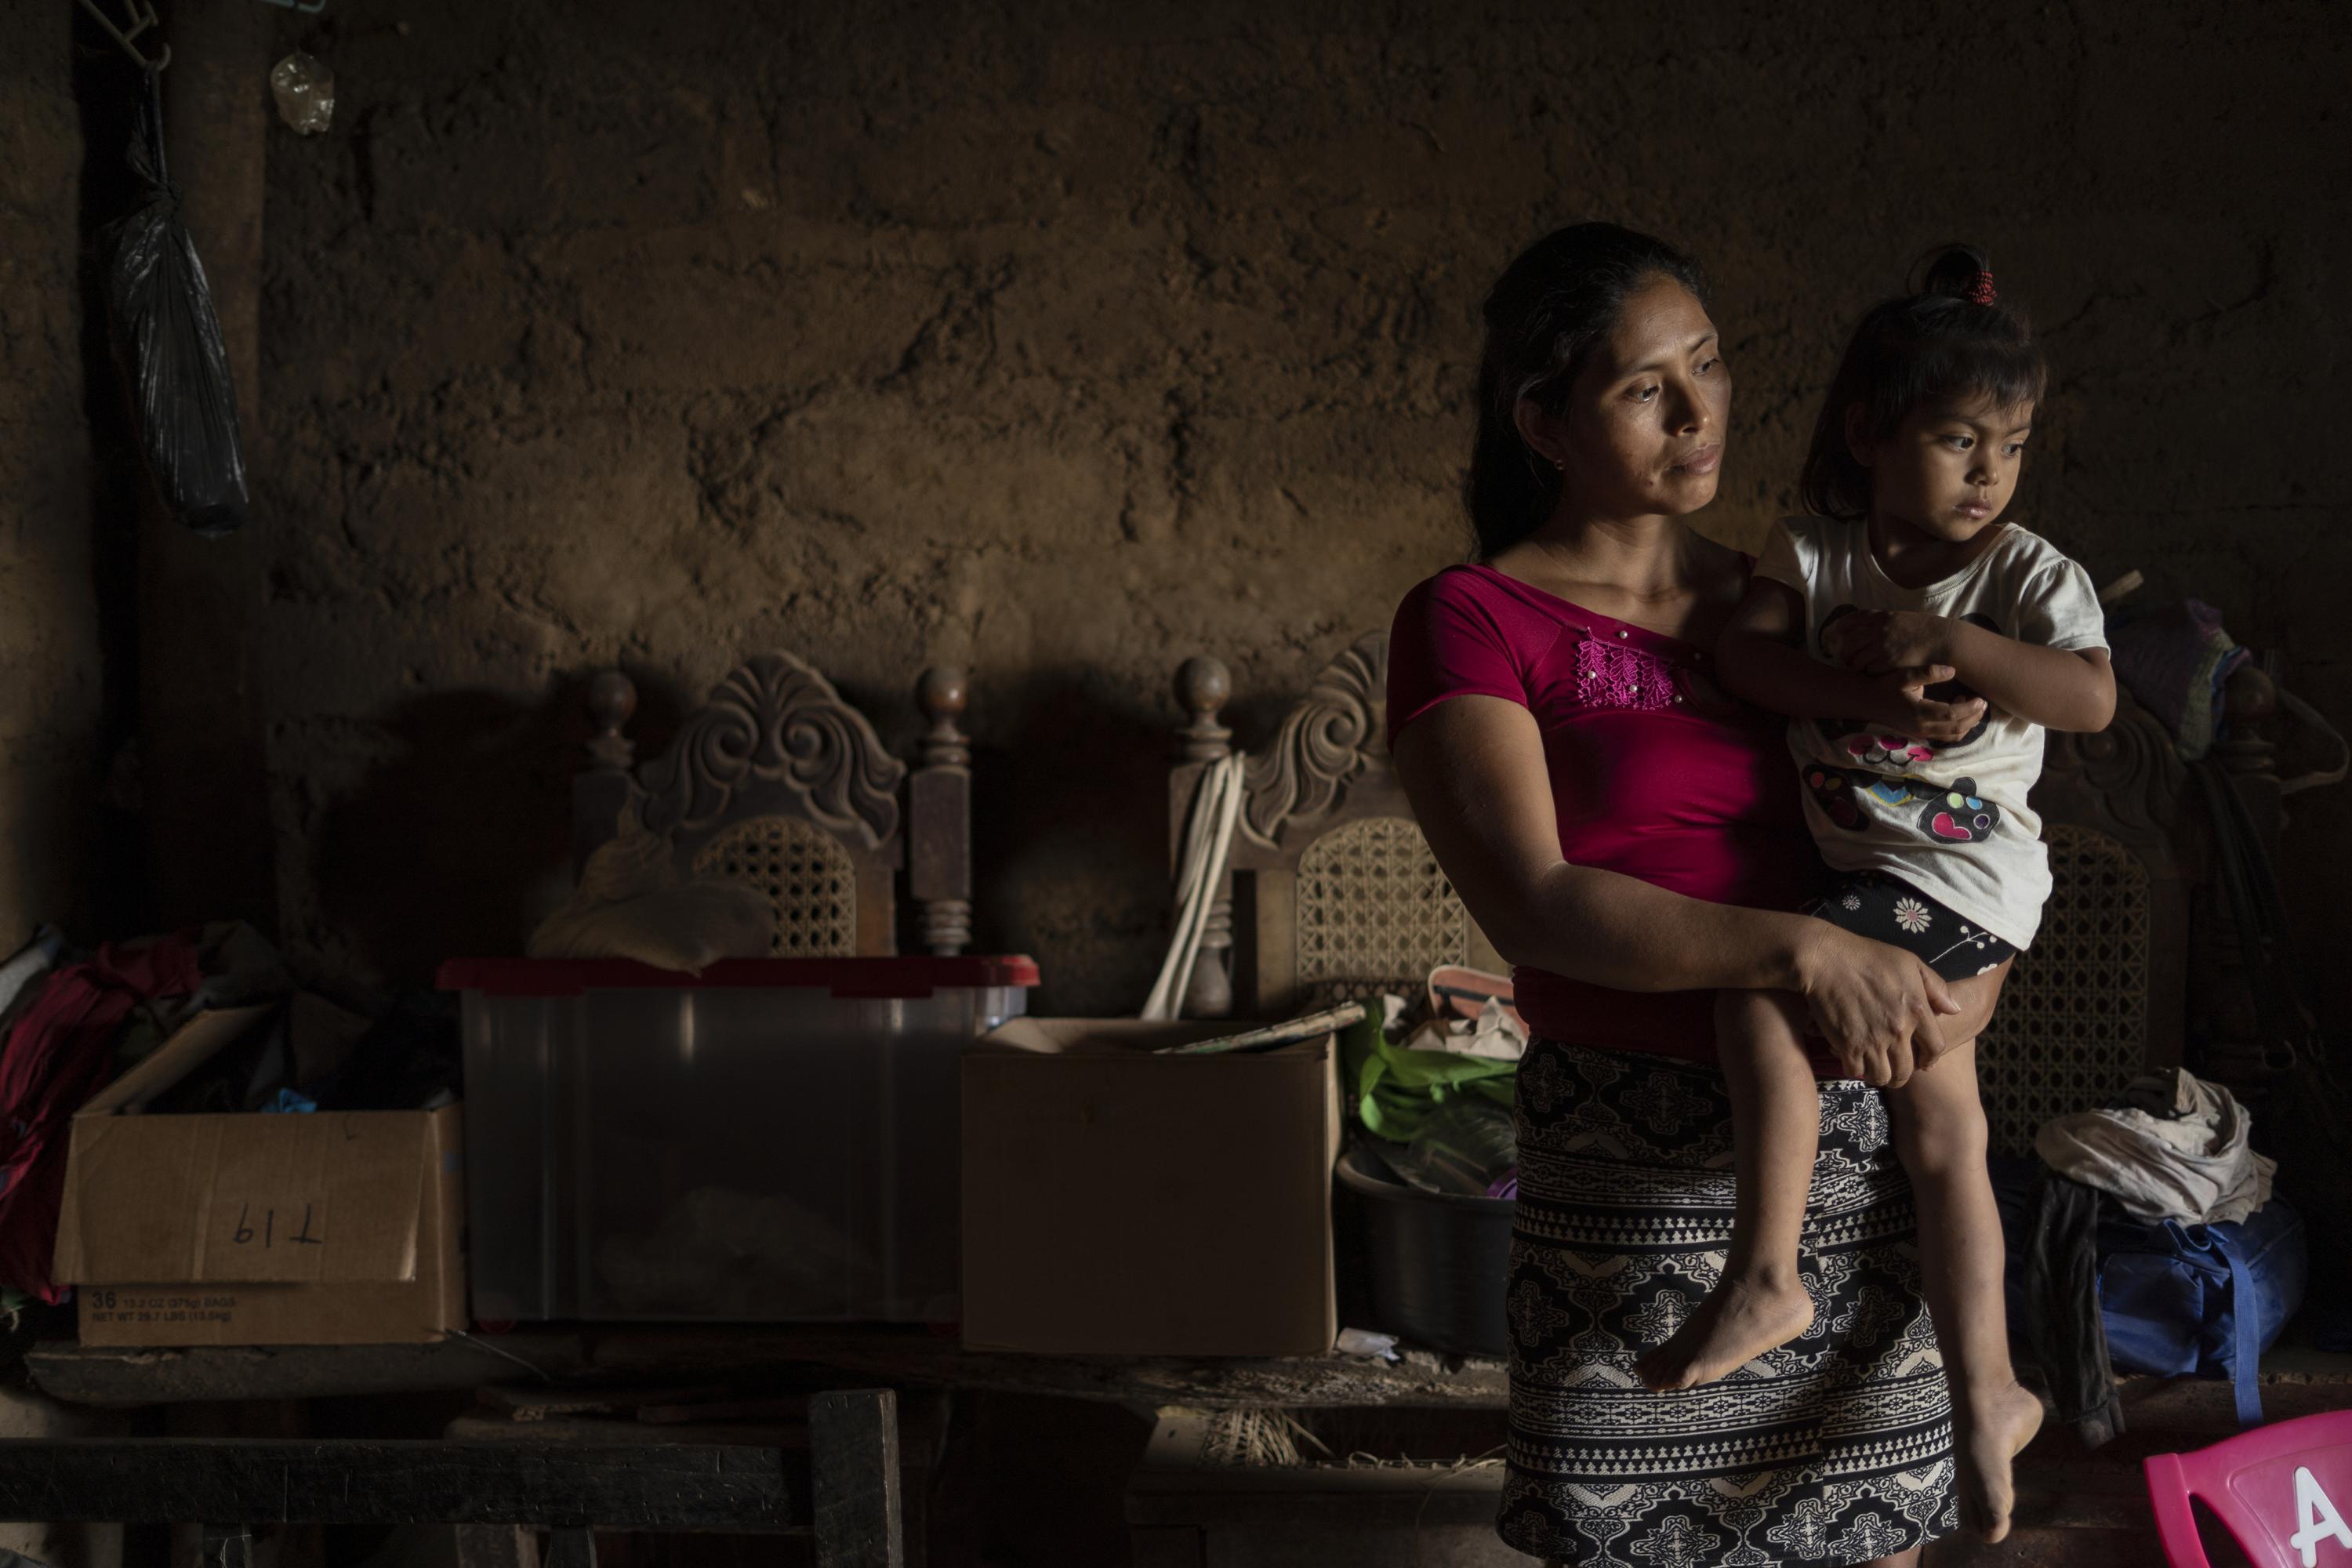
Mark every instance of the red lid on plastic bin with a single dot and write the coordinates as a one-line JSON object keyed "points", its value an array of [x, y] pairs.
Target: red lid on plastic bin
{"points": [[902, 979]]}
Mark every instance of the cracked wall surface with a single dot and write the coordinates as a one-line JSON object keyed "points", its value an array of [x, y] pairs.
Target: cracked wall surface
{"points": [[1066, 340], [50, 660]]}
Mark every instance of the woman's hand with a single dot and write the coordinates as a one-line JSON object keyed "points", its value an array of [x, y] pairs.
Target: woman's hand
{"points": [[1871, 642], [1876, 1005], [1900, 705], [1977, 995]]}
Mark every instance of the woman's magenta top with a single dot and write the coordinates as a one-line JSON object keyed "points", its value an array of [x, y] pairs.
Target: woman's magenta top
{"points": [[1655, 772]]}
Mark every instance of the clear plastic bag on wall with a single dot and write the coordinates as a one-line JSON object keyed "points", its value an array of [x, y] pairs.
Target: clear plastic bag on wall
{"points": [[169, 339], [304, 87]]}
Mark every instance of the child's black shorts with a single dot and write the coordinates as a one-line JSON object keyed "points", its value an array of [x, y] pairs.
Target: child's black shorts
{"points": [[1889, 909]]}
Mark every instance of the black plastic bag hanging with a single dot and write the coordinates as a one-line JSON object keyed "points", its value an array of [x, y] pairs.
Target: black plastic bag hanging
{"points": [[170, 338]]}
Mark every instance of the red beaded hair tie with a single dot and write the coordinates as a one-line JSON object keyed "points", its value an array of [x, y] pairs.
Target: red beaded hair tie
{"points": [[1980, 291]]}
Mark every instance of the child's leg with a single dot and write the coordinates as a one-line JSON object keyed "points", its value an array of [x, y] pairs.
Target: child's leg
{"points": [[1776, 1113], [1940, 1132]]}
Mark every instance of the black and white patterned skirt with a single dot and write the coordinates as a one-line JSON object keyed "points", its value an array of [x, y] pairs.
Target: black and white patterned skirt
{"points": [[1835, 1448]]}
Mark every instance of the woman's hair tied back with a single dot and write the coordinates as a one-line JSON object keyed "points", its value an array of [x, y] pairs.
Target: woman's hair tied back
{"points": [[1552, 305]]}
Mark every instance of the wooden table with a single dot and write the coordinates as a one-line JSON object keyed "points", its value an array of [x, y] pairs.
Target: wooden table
{"points": [[2074, 1505], [664, 1387], [835, 1477], [2295, 1378], [903, 1358]]}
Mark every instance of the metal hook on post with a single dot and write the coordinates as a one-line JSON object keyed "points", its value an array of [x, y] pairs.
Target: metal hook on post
{"points": [[142, 16]]}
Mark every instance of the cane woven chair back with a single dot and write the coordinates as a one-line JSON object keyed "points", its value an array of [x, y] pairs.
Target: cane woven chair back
{"points": [[2101, 995], [1375, 913], [2074, 1024], [805, 874], [1332, 891]]}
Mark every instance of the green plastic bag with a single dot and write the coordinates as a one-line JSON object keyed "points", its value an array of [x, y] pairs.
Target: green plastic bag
{"points": [[1395, 1089]]}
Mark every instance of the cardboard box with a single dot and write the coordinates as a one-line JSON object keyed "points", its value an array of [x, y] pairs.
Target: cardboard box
{"points": [[332, 1228], [1119, 1202]]}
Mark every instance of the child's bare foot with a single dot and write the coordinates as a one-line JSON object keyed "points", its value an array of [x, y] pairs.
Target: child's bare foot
{"points": [[1744, 1316], [1991, 1432]]}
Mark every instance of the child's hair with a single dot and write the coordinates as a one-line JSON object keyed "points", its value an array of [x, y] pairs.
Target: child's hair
{"points": [[1954, 337]]}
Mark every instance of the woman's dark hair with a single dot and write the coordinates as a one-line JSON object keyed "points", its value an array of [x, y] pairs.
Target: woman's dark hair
{"points": [[1543, 315], [1954, 338]]}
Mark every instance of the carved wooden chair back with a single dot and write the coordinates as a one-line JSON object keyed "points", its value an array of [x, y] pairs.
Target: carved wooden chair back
{"points": [[1330, 891], [777, 783]]}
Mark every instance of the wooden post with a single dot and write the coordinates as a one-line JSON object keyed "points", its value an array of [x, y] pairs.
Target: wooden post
{"points": [[216, 128], [2249, 756], [853, 1455], [226, 1546], [202, 695], [497, 1546], [1203, 688], [571, 1549], [628, 1485], [2234, 1048], [605, 785], [938, 817]]}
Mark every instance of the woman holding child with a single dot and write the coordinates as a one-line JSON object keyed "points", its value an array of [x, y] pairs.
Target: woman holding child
{"points": [[1728, 1235]]}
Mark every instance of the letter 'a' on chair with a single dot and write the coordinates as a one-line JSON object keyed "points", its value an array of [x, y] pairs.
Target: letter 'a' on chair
{"points": [[2284, 1492]]}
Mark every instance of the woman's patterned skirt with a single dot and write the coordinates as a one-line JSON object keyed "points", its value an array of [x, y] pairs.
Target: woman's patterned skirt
{"points": [[1835, 1448]]}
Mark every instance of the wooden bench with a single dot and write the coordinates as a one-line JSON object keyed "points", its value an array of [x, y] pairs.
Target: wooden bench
{"points": [[840, 1484], [2085, 1511]]}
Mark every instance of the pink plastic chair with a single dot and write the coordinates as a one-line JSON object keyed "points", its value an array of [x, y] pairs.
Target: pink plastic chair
{"points": [[2284, 1492]]}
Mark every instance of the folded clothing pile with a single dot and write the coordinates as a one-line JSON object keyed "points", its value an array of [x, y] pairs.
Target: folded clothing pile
{"points": [[2147, 1239], [2172, 1147]]}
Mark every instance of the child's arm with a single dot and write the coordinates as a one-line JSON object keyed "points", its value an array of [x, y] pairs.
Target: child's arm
{"points": [[1759, 657], [2058, 688]]}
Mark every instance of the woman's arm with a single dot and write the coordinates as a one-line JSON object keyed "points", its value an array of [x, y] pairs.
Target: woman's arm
{"points": [[1474, 769], [1760, 657], [2058, 688]]}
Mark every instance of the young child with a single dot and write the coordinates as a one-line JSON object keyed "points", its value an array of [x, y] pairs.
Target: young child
{"points": [[1920, 646]]}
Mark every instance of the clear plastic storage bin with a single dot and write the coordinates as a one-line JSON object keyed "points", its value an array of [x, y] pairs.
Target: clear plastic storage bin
{"points": [[776, 1141]]}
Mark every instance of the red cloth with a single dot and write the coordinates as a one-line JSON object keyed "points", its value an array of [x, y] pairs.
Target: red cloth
{"points": [[59, 1053], [1655, 772]]}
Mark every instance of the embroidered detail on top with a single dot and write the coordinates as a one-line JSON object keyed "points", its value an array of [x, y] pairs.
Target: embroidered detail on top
{"points": [[1608, 676]]}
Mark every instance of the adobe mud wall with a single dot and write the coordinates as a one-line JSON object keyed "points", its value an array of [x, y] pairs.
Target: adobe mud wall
{"points": [[1065, 342]]}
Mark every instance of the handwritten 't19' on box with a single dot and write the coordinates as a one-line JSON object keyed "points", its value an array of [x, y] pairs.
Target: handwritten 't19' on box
{"points": [[326, 1228]]}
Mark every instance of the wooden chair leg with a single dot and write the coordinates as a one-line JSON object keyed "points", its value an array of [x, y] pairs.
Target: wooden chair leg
{"points": [[497, 1546], [853, 1453], [226, 1546], [571, 1549]]}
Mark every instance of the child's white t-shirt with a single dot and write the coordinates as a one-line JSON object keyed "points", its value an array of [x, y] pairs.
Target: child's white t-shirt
{"points": [[1950, 820]]}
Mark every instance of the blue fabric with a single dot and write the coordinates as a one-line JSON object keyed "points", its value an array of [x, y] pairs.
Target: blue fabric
{"points": [[2173, 1297]]}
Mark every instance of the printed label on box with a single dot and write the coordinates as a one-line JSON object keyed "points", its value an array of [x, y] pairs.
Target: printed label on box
{"points": [[106, 1304]]}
